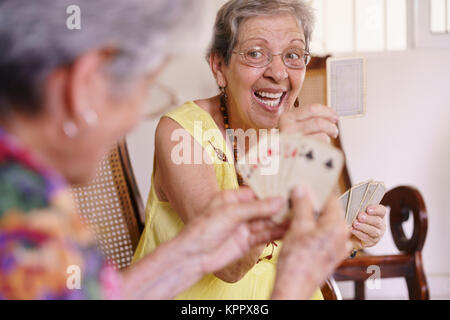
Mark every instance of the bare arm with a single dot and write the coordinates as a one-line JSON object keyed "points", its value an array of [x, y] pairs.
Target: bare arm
{"points": [[189, 188]]}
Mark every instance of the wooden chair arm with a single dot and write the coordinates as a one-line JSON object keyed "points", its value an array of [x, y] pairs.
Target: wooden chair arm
{"points": [[403, 201]]}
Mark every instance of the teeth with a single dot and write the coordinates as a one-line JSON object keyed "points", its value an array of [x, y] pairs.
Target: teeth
{"points": [[271, 103], [270, 95]]}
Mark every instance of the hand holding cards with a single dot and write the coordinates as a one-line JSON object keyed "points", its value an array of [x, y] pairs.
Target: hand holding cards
{"points": [[280, 162], [360, 197]]}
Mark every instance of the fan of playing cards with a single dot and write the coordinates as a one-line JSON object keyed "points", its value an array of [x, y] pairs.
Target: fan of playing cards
{"points": [[280, 162], [360, 197]]}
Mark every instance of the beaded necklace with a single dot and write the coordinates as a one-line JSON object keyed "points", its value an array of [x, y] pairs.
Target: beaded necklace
{"points": [[226, 119]]}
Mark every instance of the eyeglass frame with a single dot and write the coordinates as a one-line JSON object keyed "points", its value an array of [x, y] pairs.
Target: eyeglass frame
{"points": [[307, 55]]}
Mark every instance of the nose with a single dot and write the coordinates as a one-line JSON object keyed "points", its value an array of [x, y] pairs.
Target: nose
{"points": [[276, 70]]}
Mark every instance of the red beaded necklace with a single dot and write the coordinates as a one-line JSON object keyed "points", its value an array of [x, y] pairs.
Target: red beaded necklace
{"points": [[224, 111]]}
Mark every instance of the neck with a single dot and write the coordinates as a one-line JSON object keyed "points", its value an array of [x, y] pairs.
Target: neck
{"points": [[33, 135]]}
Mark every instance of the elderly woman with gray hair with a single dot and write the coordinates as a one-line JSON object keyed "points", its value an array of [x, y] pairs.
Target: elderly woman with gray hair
{"points": [[258, 56], [65, 97]]}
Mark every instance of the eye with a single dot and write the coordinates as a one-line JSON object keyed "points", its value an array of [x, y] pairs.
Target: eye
{"points": [[292, 55], [255, 54]]}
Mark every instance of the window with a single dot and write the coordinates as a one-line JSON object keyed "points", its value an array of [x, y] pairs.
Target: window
{"points": [[439, 16], [359, 26], [431, 24]]}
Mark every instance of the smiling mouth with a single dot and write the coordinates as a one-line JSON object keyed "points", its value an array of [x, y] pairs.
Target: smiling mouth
{"points": [[269, 100]]}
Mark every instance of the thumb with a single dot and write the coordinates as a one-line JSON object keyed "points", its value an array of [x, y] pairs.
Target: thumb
{"points": [[302, 207]]}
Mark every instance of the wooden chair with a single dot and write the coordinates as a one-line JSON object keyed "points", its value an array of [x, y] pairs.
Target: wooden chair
{"points": [[112, 206], [403, 202]]}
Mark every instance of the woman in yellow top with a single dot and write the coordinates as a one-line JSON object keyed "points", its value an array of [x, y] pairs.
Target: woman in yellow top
{"points": [[258, 57]]}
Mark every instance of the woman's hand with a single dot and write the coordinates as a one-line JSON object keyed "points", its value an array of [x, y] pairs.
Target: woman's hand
{"points": [[233, 224], [311, 248], [313, 120], [369, 227]]}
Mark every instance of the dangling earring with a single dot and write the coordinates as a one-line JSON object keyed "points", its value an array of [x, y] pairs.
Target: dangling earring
{"points": [[297, 103], [224, 107], [223, 93]]}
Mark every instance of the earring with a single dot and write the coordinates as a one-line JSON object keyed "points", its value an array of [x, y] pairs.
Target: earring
{"points": [[91, 117], [70, 129], [223, 92]]}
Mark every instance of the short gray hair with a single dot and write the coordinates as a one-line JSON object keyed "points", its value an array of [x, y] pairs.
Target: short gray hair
{"points": [[235, 12], [34, 40]]}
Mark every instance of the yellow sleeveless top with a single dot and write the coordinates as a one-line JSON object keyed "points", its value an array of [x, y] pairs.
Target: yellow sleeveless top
{"points": [[163, 223]]}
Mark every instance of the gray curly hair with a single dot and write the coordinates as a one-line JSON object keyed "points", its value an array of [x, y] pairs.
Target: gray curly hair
{"points": [[235, 12], [34, 40]]}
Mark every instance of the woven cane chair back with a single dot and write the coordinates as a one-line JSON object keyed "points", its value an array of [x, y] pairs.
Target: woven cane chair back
{"points": [[111, 206]]}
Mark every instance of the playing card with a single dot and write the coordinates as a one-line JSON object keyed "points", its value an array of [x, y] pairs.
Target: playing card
{"points": [[298, 161], [319, 166], [346, 86], [377, 195], [356, 196], [344, 201], [368, 196]]}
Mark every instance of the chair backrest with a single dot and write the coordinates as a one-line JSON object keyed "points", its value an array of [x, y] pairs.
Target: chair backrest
{"points": [[315, 91], [111, 206]]}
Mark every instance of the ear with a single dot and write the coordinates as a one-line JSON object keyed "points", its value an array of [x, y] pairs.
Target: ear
{"points": [[217, 65], [87, 86]]}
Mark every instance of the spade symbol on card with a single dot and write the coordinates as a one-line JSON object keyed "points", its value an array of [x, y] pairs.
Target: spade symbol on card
{"points": [[316, 166], [329, 164], [310, 155]]}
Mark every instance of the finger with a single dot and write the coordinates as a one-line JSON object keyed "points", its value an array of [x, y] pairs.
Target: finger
{"points": [[317, 110], [379, 211], [302, 207], [257, 209], [371, 231], [374, 221], [322, 137], [316, 126], [266, 231], [365, 240], [232, 196]]}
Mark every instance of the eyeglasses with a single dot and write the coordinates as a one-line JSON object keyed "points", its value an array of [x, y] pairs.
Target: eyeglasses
{"points": [[259, 57]]}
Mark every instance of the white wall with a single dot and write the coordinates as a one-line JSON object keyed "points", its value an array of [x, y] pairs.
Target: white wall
{"points": [[404, 139]]}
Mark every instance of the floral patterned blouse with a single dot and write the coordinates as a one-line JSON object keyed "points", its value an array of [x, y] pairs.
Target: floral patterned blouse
{"points": [[45, 251]]}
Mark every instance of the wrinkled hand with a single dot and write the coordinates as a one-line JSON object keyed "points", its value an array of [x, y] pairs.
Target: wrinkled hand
{"points": [[311, 248], [316, 120], [369, 227], [233, 224]]}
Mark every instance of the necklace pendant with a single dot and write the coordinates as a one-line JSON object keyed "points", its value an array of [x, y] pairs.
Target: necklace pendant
{"points": [[220, 154]]}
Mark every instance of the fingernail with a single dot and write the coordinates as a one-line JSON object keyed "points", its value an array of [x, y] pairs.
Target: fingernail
{"points": [[362, 217], [370, 210], [356, 224], [337, 134]]}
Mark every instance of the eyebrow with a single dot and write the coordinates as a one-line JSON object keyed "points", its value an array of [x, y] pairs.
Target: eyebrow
{"points": [[262, 39]]}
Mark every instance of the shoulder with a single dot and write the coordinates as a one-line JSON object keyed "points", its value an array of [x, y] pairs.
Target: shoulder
{"points": [[21, 188]]}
